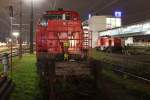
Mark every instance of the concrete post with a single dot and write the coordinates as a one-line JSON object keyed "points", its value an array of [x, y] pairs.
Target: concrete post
{"points": [[5, 62]]}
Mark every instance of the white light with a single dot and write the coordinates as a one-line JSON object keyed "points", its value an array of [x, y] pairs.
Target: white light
{"points": [[16, 34], [85, 27], [89, 16], [148, 32], [34, 1], [10, 40], [118, 14], [72, 42]]}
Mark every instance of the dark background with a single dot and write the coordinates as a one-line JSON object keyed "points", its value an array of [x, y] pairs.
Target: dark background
{"points": [[133, 11]]}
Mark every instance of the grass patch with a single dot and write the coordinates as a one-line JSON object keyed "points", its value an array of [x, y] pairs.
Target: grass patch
{"points": [[139, 49], [26, 79], [132, 66], [133, 87], [1, 68]]}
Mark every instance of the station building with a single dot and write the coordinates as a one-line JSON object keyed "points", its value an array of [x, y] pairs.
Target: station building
{"points": [[96, 24]]}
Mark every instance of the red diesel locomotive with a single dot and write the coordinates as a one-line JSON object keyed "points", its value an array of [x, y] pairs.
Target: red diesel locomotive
{"points": [[61, 47], [107, 43], [60, 34]]}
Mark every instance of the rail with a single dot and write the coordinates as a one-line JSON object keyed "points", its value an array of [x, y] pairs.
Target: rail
{"points": [[132, 75], [120, 70]]}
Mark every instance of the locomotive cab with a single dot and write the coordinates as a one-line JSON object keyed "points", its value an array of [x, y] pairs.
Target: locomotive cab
{"points": [[60, 34]]}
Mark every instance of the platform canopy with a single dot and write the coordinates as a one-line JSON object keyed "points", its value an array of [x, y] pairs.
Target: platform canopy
{"points": [[142, 28]]}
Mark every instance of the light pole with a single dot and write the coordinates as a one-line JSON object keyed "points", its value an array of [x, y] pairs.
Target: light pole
{"points": [[20, 37], [31, 28], [10, 40]]}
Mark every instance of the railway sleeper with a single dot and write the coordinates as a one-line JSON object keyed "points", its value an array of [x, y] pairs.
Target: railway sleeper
{"points": [[66, 85]]}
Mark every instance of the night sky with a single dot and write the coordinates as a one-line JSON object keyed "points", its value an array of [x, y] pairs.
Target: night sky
{"points": [[133, 10]]}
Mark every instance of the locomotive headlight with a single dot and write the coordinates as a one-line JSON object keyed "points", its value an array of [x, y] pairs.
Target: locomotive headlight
{"points": [[44, 22], [72, 42]]}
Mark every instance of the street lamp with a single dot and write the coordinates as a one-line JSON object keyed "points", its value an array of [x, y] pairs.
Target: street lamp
{"points": [[31, 2], [16, 34], [31, 23], [9, 40], [20, 37]]}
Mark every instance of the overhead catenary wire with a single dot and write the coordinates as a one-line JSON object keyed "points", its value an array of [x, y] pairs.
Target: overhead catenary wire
{"points": [[106, 6], [110, 4], [92, 6]]}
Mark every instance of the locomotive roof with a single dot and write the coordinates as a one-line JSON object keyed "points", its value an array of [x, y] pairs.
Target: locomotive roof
{"points": [[61, 12]]}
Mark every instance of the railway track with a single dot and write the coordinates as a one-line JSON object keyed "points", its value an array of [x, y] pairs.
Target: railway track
{"points": [[132, 75], [121, 71], [6, 87], [67, 85], [71, 69], [71, 81]]}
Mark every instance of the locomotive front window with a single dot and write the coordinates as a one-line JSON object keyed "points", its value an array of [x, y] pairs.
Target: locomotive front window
{"points": [[68, 17], [57, 17], [44, 21], [54, 17], [45, 18]]}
